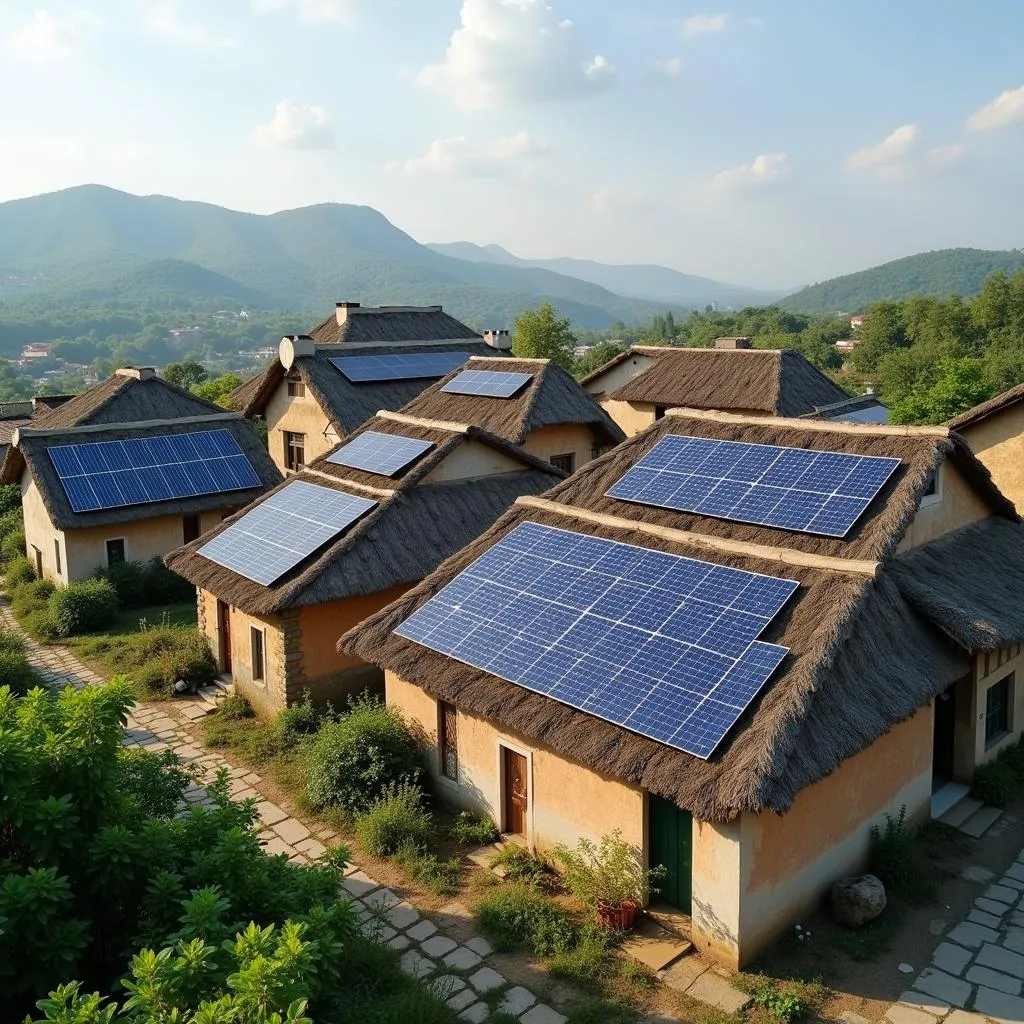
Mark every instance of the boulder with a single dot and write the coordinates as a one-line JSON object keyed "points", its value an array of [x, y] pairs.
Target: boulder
{"points": [[856, 901]]}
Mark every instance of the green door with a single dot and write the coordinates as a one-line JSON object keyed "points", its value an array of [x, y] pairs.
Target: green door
{"points": [[671, 844]]}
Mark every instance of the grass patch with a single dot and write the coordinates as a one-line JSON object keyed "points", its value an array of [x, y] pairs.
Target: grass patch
{"points": [[604, 1011], [518, 865]]}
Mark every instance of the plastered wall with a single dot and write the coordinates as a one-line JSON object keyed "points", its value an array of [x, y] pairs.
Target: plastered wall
{"points": [[300, 415], [958, 506], [998, 441], [561, 440]]}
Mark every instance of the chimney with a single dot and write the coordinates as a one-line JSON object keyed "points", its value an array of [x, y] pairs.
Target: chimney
{"points": [[733, 343], [501, 340], [341, 311], [138, 372]]}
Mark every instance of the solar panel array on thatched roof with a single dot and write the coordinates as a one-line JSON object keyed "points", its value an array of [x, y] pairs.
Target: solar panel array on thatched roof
{"points": [[862, 657]]}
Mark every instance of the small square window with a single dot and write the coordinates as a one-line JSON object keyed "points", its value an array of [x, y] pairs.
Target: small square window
{"points": [[566, 463], [294, 451], [190, 528], [256, 643], [296, 389], [997, 710], [115, 552], [659, 411]]}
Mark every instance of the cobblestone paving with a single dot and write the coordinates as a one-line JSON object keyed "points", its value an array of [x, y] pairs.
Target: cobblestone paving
{"points": [[977, 971], [457, 972]]}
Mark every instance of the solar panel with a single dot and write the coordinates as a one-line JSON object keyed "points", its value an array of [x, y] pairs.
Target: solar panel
{"points": [[791, 488], [409, 366], [487, 383], [113, 474], [662, 645], [385, 454], [280, 532]]}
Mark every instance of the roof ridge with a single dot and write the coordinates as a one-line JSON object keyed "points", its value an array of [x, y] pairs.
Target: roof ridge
{"points": [[418, 421], [830, 426], [511, 359], [98, 428], [337, 348], [788, 556], [383, 491]]}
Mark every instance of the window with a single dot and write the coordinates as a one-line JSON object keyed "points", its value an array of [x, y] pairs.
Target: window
{"points": [[294, 451], [256, 644], [39, 561], [997, 710], [190, 528], [932, 494], [296, 388], [566, 463], [56, 553], [448, 727], [115, 551], [659, 412]]}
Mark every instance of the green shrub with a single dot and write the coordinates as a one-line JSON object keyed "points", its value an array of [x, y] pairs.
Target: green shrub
{"points": [[395, 821], [612, 870], [587, 960], [143, 584], [469, 830], [996, 782], [15, 670], [19, 571], [515, 915], [157, 656], [517, 865], [85, 606], [784, 1004], [32, 597], [893, 857], [39, 624], [234, 708], [300, 720], [441, 877], [353, 761], [10, 504], [13, 545]]}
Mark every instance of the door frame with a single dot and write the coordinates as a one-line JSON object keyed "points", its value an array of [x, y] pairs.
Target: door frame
{"points": [[503, 743], [949, 722], [224, 662]]}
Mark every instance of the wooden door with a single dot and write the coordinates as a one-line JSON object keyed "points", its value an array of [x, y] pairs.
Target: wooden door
{"points": [[516, 799], [671, 843], [224, 634], [944, 738]]}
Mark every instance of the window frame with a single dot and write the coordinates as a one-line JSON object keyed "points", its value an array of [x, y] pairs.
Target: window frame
{"points": [[569, 457], [193, 518], [124, 550], [290, 446], [933, 492], [448, 741], [56, 555], [258, 653], [296, 387], [999, 721]]}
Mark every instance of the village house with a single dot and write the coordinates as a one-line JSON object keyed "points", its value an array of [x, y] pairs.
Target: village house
{"points": [[21, 414], [400, 496], [127, 471], [995, 432], [744, 694], [638, 386], [324, 385], [532, 403]]}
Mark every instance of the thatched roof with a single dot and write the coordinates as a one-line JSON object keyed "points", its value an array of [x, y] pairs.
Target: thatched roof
{"points": [[31, 453], [417, 524], [968, 583], [994, 405], [862, 658], [551, 398], [781, 382], [346, 405], [368, 324]]}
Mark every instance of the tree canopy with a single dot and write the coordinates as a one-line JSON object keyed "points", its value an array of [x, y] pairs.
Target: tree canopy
{"points": [[541, 334]]}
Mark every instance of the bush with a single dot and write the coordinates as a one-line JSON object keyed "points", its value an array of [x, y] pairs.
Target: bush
{"points": [[397, 820], [19, 571], [892, 854], [517, 864], [13, 545], [469, 830], [10, 503], [996, 782], [586, 961], [784, 1004], [441, 877], [32, 597], [143, 584], [15, 670], [355, 760], [612, 871], [516, 915], [300, 720], [86, 606], [39, 624]]}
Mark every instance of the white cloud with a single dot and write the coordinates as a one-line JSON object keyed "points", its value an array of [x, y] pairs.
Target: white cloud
{"points": [[295, 126], [47, 36], [166, 21], [704, 24], [764, 169], [1005, 109], [315, 12], [612, 202], [516, 51], [671, 68], [890, 154], [946, 155], [457, 156]]}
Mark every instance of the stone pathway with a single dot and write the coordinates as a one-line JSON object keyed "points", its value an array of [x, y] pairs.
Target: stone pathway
{"points": [[456, 971], [977, 971]]}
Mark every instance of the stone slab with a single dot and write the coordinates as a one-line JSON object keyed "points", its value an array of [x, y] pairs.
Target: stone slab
{"points": [[993, 979], [382, 899], [438, 945], [516, 1001], [1016, 871], [1014, 939], [1000, 959], [359, 884], [402, 915], [849, 1017], [943, 986], [993, 907], [312, 848], [900, 1014], [542, 1014], [1002, 893], [715, 991], [981, 917], [444, 986], [462, 999], [973, 936], [486, 979], [415, 964], [461, 959], [654, 947], [951, 958], [419, 931], [476, 1014], [479, 945], [680, 976], [980, 822], [291, 830], [999, 1006], [926, 1003]]}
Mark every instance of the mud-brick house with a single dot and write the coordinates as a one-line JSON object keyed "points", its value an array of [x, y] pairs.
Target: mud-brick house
{"points": [[638, 386], [128, 471], [995, 432], [362, 359], [532, 403], [336, 542], [740, 640]]}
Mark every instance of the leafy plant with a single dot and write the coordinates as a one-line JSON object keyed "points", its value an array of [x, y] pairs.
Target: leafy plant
{"points": [[586, 961], [517, 864], [13, 545], [15, 669], [144, 584], [18, 572], [395, 821], [611, 871], [441, 877], [996, 782], [784, 1004], [300, 720], [516, 915], [469, 830], [353, 761], [85, 606]]}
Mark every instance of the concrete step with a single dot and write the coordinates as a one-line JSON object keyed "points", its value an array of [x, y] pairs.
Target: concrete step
{"points": [[947, 797], [225, 684], [960, 812], [981, 821]]}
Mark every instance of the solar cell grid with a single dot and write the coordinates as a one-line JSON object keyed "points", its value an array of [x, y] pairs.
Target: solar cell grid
{"points": [[284, 529], [791, 488], [408, 366], [114, 474], [487, 383], [385, 454], [661, 644]]}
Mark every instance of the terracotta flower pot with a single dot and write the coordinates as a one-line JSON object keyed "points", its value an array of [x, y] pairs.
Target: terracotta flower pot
{"points": [[617, 917]]}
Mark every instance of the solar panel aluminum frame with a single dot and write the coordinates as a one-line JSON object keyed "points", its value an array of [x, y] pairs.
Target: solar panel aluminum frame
{"points": [[376, 452], [398, 366], [487, 383], [817, 492], [660, 644]]}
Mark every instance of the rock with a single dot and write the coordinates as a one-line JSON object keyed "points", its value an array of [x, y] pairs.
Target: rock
{"points": [[856, 901]]}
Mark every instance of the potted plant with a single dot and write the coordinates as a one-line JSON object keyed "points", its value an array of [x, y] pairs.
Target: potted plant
{"points": [[608, 876]]}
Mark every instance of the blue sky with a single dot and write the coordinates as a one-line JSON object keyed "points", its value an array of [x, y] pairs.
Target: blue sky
{"points": [[765, 142]]}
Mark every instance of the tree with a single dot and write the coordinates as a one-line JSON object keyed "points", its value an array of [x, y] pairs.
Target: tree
{"points": [[541, 334], [217, 389], [597, 356], [186, 374], [958, 385]]}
